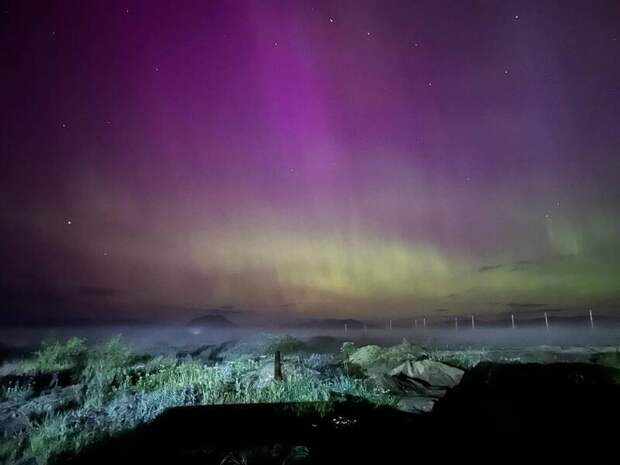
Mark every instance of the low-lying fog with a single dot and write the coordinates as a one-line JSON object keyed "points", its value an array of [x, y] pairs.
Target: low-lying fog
{"points": [[151, 339]]}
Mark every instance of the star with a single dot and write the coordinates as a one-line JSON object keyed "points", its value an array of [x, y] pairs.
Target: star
{"points": [[516, 17], [368, 33], [68, 222], [416, 44], [430, 84], [331, 20], [63, 125], [506, 71]]}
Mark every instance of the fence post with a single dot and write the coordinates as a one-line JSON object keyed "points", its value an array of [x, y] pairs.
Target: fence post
{"points": [[277, 367]]}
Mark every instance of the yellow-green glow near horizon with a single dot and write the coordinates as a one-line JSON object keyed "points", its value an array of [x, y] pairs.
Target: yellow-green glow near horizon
{"points": [[170, 161]]}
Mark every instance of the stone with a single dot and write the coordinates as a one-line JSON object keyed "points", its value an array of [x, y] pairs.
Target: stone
{"points": [[366, 356], [430, 373]]}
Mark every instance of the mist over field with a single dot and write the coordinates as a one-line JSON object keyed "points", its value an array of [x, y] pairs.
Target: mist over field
{"points": [[167, 339]]}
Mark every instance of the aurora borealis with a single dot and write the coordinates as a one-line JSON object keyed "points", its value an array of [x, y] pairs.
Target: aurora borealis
{"points": [[351, 159]]}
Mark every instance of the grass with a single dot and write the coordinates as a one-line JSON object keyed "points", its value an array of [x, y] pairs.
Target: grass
{"points": [[16, 393], [120, 390]]}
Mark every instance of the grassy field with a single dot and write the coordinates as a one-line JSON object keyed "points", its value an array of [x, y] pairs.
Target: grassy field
{"points": [[113, 390]]}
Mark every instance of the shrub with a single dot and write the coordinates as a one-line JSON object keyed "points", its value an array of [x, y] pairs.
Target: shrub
{"points": [[54, 356], [107, 370]]}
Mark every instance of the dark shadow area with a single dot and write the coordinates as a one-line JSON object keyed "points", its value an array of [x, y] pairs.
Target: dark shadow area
{"points": [[559, 408]]}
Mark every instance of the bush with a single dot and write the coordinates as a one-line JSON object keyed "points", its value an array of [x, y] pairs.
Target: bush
{"points": [[55, 356], [107, 370]]}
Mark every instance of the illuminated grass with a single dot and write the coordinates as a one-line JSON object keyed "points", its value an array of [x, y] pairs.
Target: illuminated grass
{"points": [[120, 391]]}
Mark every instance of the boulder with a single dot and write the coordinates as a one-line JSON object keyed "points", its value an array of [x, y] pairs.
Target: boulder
{"points": [[366, 356], [429, 373]]}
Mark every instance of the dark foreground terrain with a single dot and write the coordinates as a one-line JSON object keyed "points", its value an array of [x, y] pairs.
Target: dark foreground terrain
{"points": [[282, 400], [559, 409]]}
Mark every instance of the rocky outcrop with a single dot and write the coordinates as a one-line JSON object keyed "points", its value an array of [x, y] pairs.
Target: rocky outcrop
{"points": [[406, 372], [429, 373]]}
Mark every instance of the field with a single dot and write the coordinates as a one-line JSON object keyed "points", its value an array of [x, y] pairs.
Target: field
{"points": [[71, 395]]}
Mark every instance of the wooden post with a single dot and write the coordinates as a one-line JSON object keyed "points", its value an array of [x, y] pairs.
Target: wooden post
{"points": [[424, 323], [346, 328], [277, 367], [546, 321], [390, 325], [512, 319], [456, 323], [473, 322], [415, 324], [591, 319]]}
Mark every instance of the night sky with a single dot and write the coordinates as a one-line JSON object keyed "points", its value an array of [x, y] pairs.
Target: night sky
{"points": [[308, 158]]}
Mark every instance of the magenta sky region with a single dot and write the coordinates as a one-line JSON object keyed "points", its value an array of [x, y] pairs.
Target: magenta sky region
{"points": [[366, 159]]}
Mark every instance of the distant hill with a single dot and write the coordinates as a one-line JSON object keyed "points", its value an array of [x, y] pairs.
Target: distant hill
{"points": [[212, 321]]}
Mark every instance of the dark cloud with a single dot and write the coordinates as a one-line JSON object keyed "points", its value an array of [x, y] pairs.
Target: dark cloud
{"points": [[486, 268], [521, 264]]}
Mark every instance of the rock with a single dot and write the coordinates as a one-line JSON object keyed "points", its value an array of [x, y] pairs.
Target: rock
{"points": [[366, 356], [373, 358], [430, 373], [263, 376], [12, 421]]}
